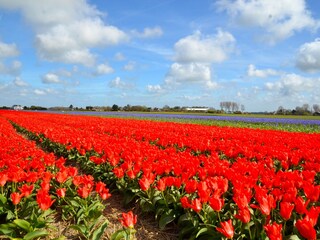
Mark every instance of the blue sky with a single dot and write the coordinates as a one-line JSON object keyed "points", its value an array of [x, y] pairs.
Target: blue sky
{"points": [[259, 53]]}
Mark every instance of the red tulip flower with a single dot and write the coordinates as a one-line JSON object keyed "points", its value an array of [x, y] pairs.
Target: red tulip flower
{"points": [[191, 186], [26, 190], [305, 228], [144, 183], [128, 220], [3, 179], [45, 185], [118, 172], [16, 197], [226, 229], [131, 174], [105, 194], [273, 231], [84, 191], [216, 203], [203, 191], [61, 177], [100, 186], [161, 185], [312, 192], [44, 200], [266, 203], [102, 190], [301, 205], [313, 214], [72, 171], [76, 180], [196, 205], [286, 210], [244, 215], [185, 202], [241, 200], [61, 192]]}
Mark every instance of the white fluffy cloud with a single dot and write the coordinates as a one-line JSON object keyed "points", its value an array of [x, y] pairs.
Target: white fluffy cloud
{"points": [[119, 56], [254, 72], [19, 82], [39, 92], [292, 84], [206, 49], [49, 12], [184, 74], [104, 69], [66, 34], [194, 56], [155, 88], [71, 43], [118, 83], [280, 19], [129, 66], [60, 48], [148, 32], [12, 68], [308, 58], [3, 87], [191, 98], [51, 78], [8, 50]]}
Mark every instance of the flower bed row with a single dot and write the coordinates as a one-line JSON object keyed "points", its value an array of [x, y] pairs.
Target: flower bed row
{"points": [[230, 182], [37, 188]]}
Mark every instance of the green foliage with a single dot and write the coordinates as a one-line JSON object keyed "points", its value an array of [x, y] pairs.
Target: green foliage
{"points": [[123, 234], [22, 229], [92, 230]]}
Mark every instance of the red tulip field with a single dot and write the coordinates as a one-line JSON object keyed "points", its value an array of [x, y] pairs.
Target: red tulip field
{"points": [[209, 182]]}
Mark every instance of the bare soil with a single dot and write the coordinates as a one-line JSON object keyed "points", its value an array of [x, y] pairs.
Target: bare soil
{"points": [[146, 227]]}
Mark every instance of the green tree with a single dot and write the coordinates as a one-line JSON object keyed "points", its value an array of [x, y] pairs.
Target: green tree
{"points": [[115, 107]]}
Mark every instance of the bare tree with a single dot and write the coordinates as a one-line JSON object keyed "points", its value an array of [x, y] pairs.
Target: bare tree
{"points": [[229, 106], [305, 107], [234, 106], [280, 110], [242, 108], [222, 105], [316, 107]]}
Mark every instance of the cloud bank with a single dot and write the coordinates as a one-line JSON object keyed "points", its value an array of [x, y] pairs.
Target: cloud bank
{"points": [[193, 59], [308, 57], [67, 34], [279, 19]]}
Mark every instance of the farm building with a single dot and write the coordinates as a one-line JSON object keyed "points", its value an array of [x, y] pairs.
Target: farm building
{"points": [[197, 109], [17, 107]]}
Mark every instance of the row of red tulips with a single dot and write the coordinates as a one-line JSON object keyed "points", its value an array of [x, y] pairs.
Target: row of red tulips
{"points": [[37, 186], [288, 148], [240, 183]]}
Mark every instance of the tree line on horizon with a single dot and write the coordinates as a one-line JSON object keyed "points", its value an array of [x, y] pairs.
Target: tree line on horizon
{"points": [[305, 109], [225, 107]]}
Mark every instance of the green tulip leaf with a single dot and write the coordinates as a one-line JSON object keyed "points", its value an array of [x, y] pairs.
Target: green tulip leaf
{"points": [[118, 235], [166, 218], [99, 231], [35, 234], [25, 225]]}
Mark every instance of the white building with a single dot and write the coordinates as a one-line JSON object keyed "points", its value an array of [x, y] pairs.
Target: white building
{"points": [[17, 107], [199, 109]]}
